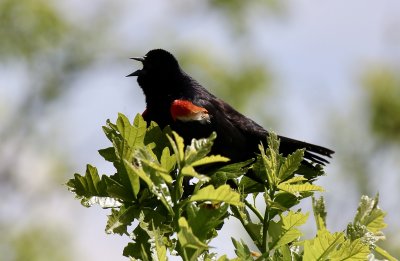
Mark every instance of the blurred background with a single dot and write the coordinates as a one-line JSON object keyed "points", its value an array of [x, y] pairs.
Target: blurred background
{"points": [[325, 72]]}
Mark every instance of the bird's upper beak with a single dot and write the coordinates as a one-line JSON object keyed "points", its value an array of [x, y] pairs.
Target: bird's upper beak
{"points": [[140, 59], [136, 73]]}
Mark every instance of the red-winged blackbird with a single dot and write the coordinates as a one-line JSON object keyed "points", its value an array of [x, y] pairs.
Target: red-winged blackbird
{"points": [[176, 99]]}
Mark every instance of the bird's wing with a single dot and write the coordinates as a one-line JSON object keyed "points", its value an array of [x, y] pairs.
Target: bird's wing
{"points": [[238, 127], [237, 135]]}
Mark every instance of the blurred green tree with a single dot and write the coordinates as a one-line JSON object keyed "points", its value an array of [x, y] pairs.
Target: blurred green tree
{"points": [[383, 92]]}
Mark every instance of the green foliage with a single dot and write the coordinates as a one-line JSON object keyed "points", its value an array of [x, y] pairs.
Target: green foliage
{"points": [[383, 90], [37, 243], [164, 198], [29, 26]]}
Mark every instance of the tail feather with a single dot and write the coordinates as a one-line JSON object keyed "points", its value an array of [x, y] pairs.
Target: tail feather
{"points": [[314, 153], [315, 158]]}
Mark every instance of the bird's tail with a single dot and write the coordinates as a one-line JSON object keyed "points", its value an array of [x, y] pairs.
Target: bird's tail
{"points": [[314, 153]]}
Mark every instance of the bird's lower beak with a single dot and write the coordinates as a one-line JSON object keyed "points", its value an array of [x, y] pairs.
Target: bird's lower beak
{"points": [[135, 73]]}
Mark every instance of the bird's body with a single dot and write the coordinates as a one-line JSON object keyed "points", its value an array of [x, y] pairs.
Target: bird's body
{"points": [[176, 99]]}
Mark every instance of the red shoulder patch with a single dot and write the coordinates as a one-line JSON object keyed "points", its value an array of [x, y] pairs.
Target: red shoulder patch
{"points": [[184, 110]]}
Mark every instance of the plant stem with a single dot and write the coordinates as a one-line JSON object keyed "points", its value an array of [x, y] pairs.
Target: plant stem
{"points": [[265, 230], [255, 210], [266, 222]]}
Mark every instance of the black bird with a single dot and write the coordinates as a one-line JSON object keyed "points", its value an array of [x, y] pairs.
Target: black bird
{"points": [[176, 99]]}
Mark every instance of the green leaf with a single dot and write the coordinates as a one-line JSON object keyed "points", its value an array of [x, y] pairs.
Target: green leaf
{"points": [[271, 160], [125, 139], [311, 171], [205, 219], [160, 248], [156, 138], [220, 175], [177, 145], [209, 160], [369, 214], [140, 248], [284, 200], [148, 159], [293, 219], [321, 247], [223, 258], [284, 231], [273, 142], [108, 154], [167, 160], [255, 230], [299, 188], [368, 223], [319, 212], [90, 188], [149, 240], [199, 148], [120, 219], [186, 237], [295, 180], [117, 190], [290, 164], [134, 173], [270, 165], [248, 185], [259, 170], [191, 172], [154, 182], [348, 250], [133, 134], [223, 193], [285, 253], [242, 250]]}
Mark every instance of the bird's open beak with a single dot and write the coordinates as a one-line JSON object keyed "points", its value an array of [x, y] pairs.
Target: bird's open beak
{"points": [[140, 59], [136, 73]]}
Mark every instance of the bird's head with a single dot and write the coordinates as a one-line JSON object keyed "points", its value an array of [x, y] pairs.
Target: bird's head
{"points": [[159, 68]]}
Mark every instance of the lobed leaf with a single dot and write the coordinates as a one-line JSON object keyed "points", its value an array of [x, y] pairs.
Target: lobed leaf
{"points": [[290, 164], [133, 134], [119, 220], [199, 148], [209, 160], [90, 188], [223, 193], [178, 146], [205, 219], [284, 231], [321, 247], [242, 250], [369, 214], [270, 164], [191, 172], [351, 250], [296, 189], [186, 237], [167, 160], [134, 174]]}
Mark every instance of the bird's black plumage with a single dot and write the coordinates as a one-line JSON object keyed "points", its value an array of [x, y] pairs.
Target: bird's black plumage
{"points": [[163, 81]]}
